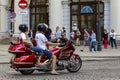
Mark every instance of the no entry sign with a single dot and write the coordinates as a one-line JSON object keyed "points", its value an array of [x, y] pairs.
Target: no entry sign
{"points": [[23, 4]]}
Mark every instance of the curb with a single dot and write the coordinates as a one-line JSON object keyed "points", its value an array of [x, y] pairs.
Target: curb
{"points": [[85, 60], [4, 62]]}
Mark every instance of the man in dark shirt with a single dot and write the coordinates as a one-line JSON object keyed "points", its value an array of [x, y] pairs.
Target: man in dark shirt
{"points": [[48, 33], [63, 33]]}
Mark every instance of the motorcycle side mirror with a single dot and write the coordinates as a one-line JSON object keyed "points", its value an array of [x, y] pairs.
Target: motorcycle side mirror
{"points": [[62, 45]]}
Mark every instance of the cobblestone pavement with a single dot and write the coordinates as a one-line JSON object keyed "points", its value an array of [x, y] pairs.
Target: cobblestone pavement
{"points": [[91, 70]]}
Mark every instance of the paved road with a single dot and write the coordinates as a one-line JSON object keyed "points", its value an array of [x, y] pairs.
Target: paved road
{"points": [[91, 70]]}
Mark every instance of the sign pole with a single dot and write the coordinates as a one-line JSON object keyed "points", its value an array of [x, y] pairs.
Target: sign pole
{"points": [[23, 4]]}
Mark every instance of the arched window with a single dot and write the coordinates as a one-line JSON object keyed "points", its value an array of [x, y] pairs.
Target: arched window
{"points": [[86, 9]]}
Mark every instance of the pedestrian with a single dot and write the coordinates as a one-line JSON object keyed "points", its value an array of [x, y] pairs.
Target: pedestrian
{"points": [[30, 35], [42, 42], [105, 39], [11, 34], [86, 39], [93, 41], [77, 37], [57, 34], [113, 38], [72, 35], [63, 33], [48, 33]]}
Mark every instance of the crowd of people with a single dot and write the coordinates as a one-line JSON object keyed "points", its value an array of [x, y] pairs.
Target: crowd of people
{"points": [[90, 40]]}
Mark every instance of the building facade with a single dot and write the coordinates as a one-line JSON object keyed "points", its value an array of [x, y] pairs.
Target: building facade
{"points": [[4, 17], [63, 13]]}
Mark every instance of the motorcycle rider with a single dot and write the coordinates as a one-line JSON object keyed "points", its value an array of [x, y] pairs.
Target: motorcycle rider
{"points": [[41, 44]]}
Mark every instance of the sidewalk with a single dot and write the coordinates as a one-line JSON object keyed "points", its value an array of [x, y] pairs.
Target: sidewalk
{"points": [[105, 54]]}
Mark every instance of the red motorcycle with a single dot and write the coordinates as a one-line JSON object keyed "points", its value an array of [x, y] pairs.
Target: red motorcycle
{"points": [[24, 60]]}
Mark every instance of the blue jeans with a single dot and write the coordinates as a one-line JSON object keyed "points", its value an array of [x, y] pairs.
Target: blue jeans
{"points": [[92, 45], [47, 53], [37, 49], [41, 51], [113, 41]]}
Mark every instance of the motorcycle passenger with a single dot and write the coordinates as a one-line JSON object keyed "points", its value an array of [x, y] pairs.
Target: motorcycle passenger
{"points": [[42, 42], [23, 36]]}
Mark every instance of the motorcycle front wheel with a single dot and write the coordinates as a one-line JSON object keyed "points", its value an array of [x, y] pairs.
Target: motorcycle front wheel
{"points": [[26, 72], [75, 64]]}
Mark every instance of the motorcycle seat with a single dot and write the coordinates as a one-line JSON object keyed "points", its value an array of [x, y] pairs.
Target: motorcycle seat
{"points": [[15, 43]]}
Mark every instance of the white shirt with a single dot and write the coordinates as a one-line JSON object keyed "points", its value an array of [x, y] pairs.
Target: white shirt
{"points": [[93, 36], [113, 35], [22, 36], [72, 34], [57, 34], [41, 40]]}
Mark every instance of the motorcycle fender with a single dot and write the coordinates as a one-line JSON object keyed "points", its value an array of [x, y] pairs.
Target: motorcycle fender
{"points": [[75, 55]]}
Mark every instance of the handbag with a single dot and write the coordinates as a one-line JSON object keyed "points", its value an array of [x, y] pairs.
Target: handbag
{"points": [[89, 39]]}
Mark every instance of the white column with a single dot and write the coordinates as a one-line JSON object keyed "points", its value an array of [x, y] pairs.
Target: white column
{"points": [[3, 18], [115, 15], [66, 18], [107, 16], [18, 18], [55, 14]]}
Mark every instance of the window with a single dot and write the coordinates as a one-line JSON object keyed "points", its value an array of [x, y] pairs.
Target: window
{"points": [[38, 13], [74, 9], [86, 9]]}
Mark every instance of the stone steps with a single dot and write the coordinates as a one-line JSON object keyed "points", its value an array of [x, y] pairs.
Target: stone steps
{"points": [[5, 41]]}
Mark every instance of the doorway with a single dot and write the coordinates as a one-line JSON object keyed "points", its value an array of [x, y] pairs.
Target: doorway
{"points": [[85, 15], [87, 21]]}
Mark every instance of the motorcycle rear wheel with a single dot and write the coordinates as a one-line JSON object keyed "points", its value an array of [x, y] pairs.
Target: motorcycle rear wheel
{"points": [[26, 72], [75, 64]]}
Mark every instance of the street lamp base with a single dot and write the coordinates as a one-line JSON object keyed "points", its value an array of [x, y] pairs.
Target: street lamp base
{"points": [[99, 48]]}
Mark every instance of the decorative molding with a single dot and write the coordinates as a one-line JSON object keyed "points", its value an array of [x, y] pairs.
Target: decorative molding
{"points": [[105, 0], [66, 2], [86, 9]]}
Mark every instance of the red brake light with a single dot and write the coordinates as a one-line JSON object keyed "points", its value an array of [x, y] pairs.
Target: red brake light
{"points": [[17, 59]]}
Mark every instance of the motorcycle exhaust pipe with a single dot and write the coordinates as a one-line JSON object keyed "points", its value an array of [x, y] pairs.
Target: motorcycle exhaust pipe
{"points": [[33, 68]]}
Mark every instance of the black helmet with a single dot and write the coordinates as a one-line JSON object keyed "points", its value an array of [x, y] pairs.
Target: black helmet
{"points": [[23, 27], [41, 27]]}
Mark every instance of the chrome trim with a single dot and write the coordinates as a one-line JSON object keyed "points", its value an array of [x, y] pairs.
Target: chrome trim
{"points": [[32, 68], [23, 63], [15, 51]]}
